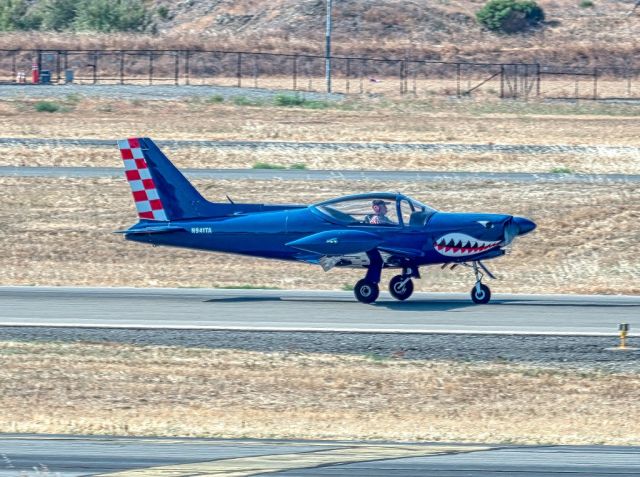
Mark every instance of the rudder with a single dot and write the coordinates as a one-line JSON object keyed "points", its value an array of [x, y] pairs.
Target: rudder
{"points": [[159, 189]]}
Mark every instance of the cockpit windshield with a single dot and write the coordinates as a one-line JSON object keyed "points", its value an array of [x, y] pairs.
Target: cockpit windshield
{"points": [[371, 209]]}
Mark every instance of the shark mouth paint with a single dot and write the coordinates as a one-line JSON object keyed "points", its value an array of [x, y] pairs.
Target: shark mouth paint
{"points": [[461, 245]]}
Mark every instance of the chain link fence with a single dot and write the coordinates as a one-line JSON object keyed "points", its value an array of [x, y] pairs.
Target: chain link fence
{"points": [[350, 75]]}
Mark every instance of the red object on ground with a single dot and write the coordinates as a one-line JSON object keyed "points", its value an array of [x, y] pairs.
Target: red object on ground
{"points": [[35, 74]]}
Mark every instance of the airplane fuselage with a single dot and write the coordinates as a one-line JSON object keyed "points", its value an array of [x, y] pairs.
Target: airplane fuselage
{"points": [[266, 235]]}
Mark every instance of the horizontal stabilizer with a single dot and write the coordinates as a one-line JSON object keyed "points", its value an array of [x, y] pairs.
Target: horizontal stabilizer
{"points": [[151, 230], [337, 242]]}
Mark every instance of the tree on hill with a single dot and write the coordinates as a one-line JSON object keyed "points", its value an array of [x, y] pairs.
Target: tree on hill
{"points": [[79, 15], [15, 15], [510, 16], [58, 15]]}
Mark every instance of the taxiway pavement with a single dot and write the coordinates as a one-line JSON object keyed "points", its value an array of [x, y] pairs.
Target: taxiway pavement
{"points": [[75, 456], [326, 175]]}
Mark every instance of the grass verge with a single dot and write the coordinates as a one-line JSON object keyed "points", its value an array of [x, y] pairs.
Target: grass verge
{"points": [[149, 390]]}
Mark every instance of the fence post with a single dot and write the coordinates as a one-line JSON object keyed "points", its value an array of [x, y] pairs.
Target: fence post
{"points": [[295, 72], [58, 66], [595, 83], [239, 70], [176, 78], [95, 67], [406, 75], [402, 77], [14, 66], [458, 86], [501, 81], [121, 67], [66, 63], [348, 78], [186, 66], [150, 67], [538, 77]]}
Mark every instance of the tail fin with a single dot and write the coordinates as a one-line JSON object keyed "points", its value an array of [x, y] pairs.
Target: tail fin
{"points": [[159, 190]]}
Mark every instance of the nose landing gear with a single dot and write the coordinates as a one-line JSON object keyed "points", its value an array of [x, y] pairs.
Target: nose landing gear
{"points": [[480, 293]]}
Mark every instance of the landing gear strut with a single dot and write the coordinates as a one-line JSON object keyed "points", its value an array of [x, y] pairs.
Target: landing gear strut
{"points": [[367, 289], [480, 293]]}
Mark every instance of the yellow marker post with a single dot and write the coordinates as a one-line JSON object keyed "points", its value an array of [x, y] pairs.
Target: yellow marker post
{"points": [[624, 330]]}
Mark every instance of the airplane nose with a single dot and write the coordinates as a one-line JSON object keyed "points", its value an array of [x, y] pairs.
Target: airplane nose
{"points": [[524, 225]]}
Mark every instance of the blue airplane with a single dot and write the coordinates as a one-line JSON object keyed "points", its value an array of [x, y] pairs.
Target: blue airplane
{"points": [[366, 231]]}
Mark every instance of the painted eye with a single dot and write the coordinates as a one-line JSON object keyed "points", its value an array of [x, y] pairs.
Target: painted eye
{"points": [[486, 224]]}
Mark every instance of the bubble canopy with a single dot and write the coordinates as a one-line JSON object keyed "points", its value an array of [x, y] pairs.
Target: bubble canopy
{"points": [[383, 209]]}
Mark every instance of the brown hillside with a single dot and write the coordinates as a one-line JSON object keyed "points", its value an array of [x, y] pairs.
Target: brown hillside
{"points": [[605, 34]]}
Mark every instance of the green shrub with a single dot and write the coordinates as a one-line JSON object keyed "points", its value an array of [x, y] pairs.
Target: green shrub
{"points": [[112, 16], [297, 100], [266, 165], [561, 170], [83, 15], [586, 4], [244, 101], [298, 166], [58, 15], [15, 15], [216, 98], [163, 12], [289, 100], [510, 16], [47, 107]]}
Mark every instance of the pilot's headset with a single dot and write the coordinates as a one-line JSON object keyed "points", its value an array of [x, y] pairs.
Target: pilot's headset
{"points": [[377, 204]]}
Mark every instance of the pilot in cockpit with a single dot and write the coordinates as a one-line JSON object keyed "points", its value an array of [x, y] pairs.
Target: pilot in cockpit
{"points": [[379, 216]]}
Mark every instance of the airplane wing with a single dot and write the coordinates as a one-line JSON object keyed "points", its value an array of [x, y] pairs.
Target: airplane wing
{"points": [[402, 252], [337, 242]]}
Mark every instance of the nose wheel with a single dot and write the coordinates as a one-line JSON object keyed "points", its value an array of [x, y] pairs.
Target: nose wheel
{"points": [[366, 291], [401, 287], [480, 294]]}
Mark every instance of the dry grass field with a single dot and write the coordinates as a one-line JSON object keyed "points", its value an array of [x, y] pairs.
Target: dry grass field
{"points": [[58, 232], [170, 391], [354, 120], [318, 159]]}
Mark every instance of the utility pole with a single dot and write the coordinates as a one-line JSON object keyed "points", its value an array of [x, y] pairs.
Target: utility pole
{"points": [[327, 55]]}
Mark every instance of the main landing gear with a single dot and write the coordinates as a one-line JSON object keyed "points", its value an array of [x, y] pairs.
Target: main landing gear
{"points": [[400, 286]]}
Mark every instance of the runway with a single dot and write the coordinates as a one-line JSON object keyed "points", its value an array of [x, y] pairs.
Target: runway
{"points": [[315, 311], [326, 175], [71, 456]]}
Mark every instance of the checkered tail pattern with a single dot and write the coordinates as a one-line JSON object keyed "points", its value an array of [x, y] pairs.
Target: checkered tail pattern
{"points": [[144, 190]]}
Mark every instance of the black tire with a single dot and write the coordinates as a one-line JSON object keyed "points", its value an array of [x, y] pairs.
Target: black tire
{"points": [[398, 292], [482, 297], [366, 291]]}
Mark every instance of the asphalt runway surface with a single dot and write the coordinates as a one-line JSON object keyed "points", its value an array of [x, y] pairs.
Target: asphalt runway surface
{"points": [[280, 310], [75, 456], [333, 175]]}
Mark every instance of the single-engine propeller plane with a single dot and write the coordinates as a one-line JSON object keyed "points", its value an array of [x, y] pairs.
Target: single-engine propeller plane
{"points": [[366, 231]]}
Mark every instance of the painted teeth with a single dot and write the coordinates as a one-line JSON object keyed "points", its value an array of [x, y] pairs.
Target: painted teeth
{"points": [[459, 245]]}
